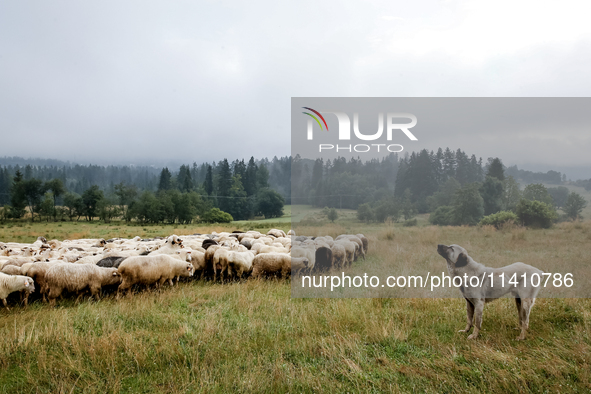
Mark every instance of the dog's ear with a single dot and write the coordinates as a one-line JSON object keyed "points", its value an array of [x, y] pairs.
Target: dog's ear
{"points": [[462, 260]]}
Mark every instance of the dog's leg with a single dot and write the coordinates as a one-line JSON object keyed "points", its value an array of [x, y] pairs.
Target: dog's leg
{"points": [[469, 316], [519, 312], [526, 305], [478, 308]]}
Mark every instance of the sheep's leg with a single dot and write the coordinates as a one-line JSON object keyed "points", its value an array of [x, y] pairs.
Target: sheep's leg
{"points": [[53, 294], [161, 282], [95, 292], [121, 289], [5, 304], [43, 291]]}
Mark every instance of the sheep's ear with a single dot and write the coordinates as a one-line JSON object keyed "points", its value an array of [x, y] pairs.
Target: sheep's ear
{"points": [[462, 260], [26, 282], [114, 273]]}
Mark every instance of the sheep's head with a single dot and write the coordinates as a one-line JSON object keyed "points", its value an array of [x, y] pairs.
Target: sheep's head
{"points": [[185, 254], [173, 240], [190, 269], [113, 277], [28, 284]]}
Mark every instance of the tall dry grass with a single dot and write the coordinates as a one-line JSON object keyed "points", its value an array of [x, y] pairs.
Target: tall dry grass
{"points": [[252, 337]]}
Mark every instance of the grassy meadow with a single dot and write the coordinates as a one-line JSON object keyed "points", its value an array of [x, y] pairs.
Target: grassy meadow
{"points": [[253, 337]]}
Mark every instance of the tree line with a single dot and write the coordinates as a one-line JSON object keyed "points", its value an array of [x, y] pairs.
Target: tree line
{"points": [[77, 178], [443, 182], [223, 192], [456, 188]]}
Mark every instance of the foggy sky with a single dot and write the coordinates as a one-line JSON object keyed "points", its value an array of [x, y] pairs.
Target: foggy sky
{"points": [[152, 82]]}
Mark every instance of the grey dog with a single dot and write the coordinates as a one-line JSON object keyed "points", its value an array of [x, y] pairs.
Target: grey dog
{"points": [[492, 283]]}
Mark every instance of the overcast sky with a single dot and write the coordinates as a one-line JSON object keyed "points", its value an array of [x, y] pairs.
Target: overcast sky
{"points": [[181, 81]]}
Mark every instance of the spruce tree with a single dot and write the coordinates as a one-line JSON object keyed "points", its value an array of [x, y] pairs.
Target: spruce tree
{"points": [[165, 179], [208, 183]]}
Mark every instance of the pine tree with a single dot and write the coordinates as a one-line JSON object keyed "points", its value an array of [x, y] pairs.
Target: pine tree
{"points": [[250, 178], [495, 169], [18, 199], [165, 180], [262, 177], [208, 183], [224, 184], [184, 179]]}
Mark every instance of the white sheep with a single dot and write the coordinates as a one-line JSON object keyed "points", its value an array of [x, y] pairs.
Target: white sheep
{"points": [[12, 283], [240, 262], [272, 263], [148, 270], [78, 278]]}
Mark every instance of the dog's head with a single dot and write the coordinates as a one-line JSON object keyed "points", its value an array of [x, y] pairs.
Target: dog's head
{"points": [[455, 255]]}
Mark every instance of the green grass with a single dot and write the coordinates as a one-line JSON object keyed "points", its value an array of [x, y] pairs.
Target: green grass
{"points": [[250, 337], [253, 337]]}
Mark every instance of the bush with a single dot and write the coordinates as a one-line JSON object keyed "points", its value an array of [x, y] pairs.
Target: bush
{"points": [[365, 213], [499, 218], [332, 215], [468, 205], [410, 223], [442, 216], [215, 215], [270, 203], [535, 213], [575, 203]]}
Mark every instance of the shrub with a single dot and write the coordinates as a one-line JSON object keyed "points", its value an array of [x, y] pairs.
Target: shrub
{"points": [[468, 205], [270, 203], [332, 215], [410, 223], [535, 213], [574, 205], [499, 218], [365, 213], [442, 216], [215, 215]]}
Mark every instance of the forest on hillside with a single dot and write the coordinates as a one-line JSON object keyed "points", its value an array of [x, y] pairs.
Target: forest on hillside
{"points": [[393, 186]]}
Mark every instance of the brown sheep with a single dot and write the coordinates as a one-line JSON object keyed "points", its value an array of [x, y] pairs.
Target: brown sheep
{"points": [[323, 259]]}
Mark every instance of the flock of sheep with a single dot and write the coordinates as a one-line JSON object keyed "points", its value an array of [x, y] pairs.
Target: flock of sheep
{"points": [[79, 266]]}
